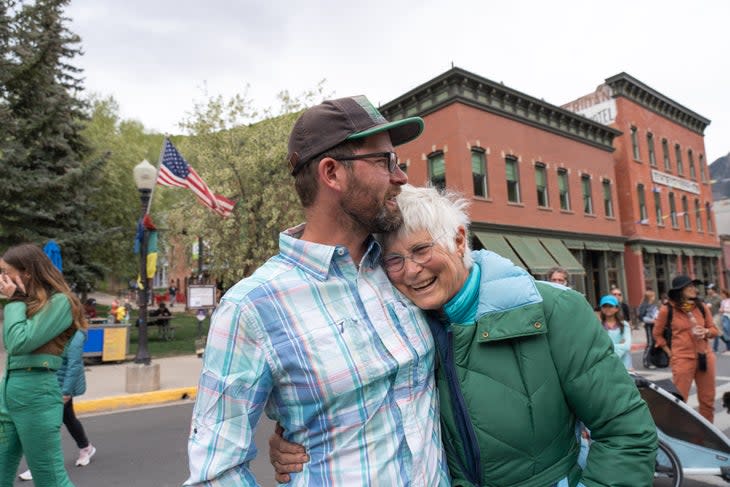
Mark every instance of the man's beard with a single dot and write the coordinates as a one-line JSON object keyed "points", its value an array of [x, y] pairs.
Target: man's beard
{"points": [[370, 212]]}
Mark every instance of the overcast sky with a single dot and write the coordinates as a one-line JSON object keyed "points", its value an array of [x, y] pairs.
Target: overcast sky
{"points": [[158, 57]]}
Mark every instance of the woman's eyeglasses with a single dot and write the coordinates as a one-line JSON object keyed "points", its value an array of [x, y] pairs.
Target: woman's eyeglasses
{"points": [[420, 254]]}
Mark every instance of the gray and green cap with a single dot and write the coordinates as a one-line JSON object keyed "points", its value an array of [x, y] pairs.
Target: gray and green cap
{"points": [[332, 122]]}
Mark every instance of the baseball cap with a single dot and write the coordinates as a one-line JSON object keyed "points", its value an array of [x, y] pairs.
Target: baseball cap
{"points": [[332, 122], [609, 300]]}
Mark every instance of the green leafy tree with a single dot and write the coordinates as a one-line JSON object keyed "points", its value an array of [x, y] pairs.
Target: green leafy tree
{"points": [[47, 185], [116, 204], [247, 163]]}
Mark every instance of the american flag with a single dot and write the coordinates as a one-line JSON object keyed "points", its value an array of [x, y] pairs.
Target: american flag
{"points": [[174, 171]]}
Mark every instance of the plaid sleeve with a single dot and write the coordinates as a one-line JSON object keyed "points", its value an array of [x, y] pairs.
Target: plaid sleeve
{"points": [[234, 386]]}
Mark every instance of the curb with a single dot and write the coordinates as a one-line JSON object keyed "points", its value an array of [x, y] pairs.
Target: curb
{"points": [[128, 401]]}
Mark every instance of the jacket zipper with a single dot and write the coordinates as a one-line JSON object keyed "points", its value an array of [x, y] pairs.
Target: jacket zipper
{"points": [[466, 429]]}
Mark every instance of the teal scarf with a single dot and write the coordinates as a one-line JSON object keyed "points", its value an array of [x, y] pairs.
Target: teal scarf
{"points": [[462, 308]]}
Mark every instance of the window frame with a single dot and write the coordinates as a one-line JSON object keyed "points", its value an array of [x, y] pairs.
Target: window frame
{"points": [[514, 162], [430, 160], [587, 191], [652, 152], [484, 181], [564, 193], [541, 168], [607, 198]]}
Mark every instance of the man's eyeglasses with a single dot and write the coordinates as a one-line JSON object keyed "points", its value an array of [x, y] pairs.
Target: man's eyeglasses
{"points": [[420, 254], [391, 157]]}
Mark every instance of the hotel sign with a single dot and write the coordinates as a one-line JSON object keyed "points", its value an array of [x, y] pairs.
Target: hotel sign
{"points": [[674, 182]]}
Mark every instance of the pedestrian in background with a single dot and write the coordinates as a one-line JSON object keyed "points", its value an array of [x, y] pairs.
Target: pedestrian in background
{"points": [[713, 299], [41, 317], [618, 329], [647, 313], [172, 291], [725, 319], [690, 357], [558, 275], [72, 380], [625, 310]]}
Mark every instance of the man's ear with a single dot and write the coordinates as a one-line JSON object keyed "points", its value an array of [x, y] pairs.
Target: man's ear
{"points": [[331, 173]]}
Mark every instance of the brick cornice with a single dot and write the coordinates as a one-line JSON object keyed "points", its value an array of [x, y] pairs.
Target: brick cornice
{"points": [[629, 87], [460, 86]]}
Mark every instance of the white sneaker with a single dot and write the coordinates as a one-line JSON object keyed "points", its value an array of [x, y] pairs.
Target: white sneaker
{"points": [[26, 475], [85, 455]]}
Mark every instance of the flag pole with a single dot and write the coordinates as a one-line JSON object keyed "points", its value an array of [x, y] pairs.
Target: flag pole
{"points": [[159, 164]]}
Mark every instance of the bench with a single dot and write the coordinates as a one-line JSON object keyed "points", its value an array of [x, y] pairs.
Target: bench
{"points": [[165, 330]]}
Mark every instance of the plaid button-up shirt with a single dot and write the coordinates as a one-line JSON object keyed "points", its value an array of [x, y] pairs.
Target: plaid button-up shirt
{"points": [[332, 352]]}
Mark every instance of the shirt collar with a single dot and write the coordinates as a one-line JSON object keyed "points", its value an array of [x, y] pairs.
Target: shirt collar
{"points": [[317, 258]]}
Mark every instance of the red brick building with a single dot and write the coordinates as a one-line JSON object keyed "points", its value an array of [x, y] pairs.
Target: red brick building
{"points": [[576, 186], [665, 196], [541, 178]]}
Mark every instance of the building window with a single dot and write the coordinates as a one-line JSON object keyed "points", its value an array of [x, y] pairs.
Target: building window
{"points": [[658, 207], [437, 170], [698, 215], [512, 172], [673, 211], [541, 185], [587, 196], [635, 143], [641, 196], [708, 215], [650, 144], [607, 198], [685, 212], [678, 156], [564, 189], [691, 162], [665, 155], [703, 174], [479, 173]]}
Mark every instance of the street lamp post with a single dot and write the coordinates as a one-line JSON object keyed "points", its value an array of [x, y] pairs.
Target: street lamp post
{"points": [[145, 176]]}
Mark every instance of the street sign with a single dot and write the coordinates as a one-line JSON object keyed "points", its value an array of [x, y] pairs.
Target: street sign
{"points": [[201, 296]]}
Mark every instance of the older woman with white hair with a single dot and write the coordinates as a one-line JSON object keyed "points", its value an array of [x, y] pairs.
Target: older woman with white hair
{"points": [[521, 362]]}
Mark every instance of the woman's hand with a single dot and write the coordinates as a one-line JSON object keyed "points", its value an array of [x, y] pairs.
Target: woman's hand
{"points": [[8, 286], [668, 351], [284, 456]]}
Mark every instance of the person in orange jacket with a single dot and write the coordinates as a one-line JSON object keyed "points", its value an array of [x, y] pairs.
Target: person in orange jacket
{"points": [[691, 357]]}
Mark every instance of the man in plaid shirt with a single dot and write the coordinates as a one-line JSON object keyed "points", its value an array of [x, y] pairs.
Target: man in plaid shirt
{"points": [[317, 337]]}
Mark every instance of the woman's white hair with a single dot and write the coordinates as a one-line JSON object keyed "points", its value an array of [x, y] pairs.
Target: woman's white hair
{"points": [[439, 213]]}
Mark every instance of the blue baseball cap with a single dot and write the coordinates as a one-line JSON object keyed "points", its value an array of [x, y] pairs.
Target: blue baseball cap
{"points": [[609, 300]]}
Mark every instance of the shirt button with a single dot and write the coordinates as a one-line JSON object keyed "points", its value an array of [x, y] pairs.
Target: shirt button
{"points": [[537, 325]]}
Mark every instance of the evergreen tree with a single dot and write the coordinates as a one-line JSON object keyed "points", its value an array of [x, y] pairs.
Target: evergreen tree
{"points": [[47, 186]]}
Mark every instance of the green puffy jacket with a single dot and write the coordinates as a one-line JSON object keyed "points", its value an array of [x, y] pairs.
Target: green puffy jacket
{"points": [[513, 384]]}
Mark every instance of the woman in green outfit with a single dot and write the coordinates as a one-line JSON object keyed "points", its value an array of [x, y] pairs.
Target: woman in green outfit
{"points": [[40, 318]]}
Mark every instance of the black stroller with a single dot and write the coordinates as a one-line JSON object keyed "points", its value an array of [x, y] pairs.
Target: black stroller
{"points": [[688, 443]]}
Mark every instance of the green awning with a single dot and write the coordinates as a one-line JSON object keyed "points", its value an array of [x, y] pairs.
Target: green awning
{"points": [[665, 250], [689, 252], [596, 245], [497, 244], [650, 249], [562, 255], [616, 246], [574, 244], [533, 254]]}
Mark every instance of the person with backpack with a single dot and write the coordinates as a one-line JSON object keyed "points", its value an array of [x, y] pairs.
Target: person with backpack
{"points": [[690, 356]]}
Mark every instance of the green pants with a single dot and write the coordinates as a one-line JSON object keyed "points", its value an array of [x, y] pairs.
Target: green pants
{"points": [[31, 412]]}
